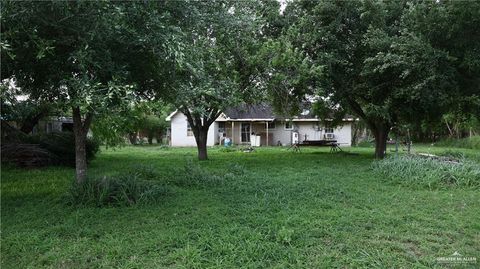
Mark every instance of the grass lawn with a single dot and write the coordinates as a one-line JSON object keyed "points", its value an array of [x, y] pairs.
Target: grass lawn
{"points": [[291, 210]]}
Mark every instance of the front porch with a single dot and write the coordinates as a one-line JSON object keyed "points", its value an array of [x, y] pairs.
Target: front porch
{"points": [[240, 131]]}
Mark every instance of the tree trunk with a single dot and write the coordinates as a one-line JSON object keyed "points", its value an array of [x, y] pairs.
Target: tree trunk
{"points": [[201, 139], [80, 130], [381, 134], [80, 157]]}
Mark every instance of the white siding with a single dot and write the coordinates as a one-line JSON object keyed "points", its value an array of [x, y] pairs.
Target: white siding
{"points": [[343, 133], [179, 136]]}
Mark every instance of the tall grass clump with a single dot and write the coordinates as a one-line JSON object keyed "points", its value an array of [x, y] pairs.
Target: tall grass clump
{"points": [[194, 175], [115, 191], [468, 142], [428, 172]]}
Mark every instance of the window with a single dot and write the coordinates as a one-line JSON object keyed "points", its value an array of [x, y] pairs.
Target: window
{"points": [[328, 130], [189, 129], [288, 125], [271, 125], [221, 127], [245, 132]]}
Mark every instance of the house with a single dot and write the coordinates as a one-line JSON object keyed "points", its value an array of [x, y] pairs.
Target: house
{"points": [[54, 124], [257, 125]]}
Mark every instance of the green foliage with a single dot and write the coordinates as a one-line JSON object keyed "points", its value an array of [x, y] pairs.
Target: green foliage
{"points": [[122, 190], [289, 74], [57, 148], [468, 142], [428, 172], [388, 62], [112, 128], [62, 145]]}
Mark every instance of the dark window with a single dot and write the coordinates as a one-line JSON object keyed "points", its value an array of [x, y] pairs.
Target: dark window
{"points": [[271, 125], [221, 127], [288, 125], [245, 132]]}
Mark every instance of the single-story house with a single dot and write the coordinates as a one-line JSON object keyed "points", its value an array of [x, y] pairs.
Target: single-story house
{"points": [[257, 125]]}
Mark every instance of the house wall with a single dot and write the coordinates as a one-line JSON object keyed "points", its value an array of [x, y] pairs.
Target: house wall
{"points": [[342, 134], [179, 138]]}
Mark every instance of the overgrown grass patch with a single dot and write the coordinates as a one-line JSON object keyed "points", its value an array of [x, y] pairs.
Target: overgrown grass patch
{"points": [[126, 190], [192, 174], [411, 170], [468, 142], [273, 209]]}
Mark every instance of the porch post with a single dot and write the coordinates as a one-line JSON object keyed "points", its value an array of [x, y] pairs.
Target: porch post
{"points": [[233, 132], [266, 123]]}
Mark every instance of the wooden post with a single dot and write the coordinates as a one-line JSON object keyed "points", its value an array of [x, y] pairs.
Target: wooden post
{"points": [[267, 131], [233, 132]]}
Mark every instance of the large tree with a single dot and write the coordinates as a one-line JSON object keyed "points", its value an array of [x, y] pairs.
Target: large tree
{"points": [[84, 56], [372, 61], [217, 66]]}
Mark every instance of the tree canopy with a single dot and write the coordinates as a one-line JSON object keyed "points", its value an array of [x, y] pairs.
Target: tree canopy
{"points": [[383, 60]]}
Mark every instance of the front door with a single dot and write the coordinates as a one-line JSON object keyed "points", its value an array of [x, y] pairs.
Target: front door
{"points": [[245, 132]]}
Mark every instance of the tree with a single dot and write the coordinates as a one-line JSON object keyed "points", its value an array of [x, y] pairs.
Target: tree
{"points": [[127, 121], [25, 112], [216, 68], [373, 62], [82, 55]]}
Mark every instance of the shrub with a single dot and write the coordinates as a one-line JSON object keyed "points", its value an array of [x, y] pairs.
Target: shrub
{"points": [[468, 143], [62, 144], [26, 155], [428, 172], [124, 190], [56, 148]]}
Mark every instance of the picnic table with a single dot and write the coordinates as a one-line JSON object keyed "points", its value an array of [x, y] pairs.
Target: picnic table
{"points": [[333, 144]]}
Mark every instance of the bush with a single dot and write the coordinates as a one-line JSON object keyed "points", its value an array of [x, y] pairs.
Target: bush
{"points": [[428, 172], [26, 155], [62, 145], [124, 190], [56, 148], [468, 143]]}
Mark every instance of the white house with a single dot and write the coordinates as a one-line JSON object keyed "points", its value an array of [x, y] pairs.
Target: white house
{"points": [[257, 125]]}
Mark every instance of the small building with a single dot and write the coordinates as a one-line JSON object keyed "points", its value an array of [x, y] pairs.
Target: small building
{"points": [[257, 125], [54, 124]]}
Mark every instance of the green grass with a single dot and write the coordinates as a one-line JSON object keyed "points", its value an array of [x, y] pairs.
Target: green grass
{"points": [[288, 210], [468, 142]]}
